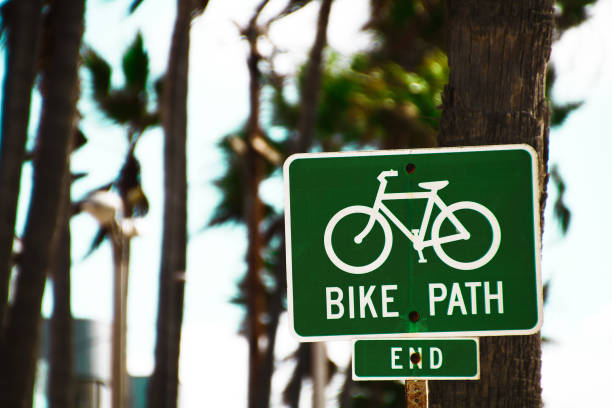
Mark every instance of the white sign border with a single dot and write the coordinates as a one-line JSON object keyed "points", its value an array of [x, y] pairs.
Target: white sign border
{"points": [[423, 335]]}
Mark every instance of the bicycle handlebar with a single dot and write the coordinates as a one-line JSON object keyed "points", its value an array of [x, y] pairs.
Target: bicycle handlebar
{"points": [[387, 173]]}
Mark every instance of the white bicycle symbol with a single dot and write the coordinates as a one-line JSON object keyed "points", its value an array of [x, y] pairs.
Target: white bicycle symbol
{"points": [[416, 236]]}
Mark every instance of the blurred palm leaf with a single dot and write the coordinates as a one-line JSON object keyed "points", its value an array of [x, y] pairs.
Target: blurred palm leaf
{"points": [[570, 13], [560, 210], [291, 7], [135, 65], [127, 105], [100, 71], [135, 4], [301, 371], [231, 183], [561, 112]]}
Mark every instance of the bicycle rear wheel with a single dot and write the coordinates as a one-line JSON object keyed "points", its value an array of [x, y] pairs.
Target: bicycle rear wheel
{"points": [[345, 213]]}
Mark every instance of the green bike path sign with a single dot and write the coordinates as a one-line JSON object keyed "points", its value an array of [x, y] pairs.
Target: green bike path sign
{"points": [[411, 359], [413, 243]]}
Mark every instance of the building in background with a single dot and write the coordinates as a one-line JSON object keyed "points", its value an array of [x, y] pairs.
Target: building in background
{"points": [[92, 346]]}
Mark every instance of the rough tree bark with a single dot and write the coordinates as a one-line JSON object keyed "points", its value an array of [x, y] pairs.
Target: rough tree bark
{"points": [[22, 20], [163, 391], [19, 351], [498, 53]]}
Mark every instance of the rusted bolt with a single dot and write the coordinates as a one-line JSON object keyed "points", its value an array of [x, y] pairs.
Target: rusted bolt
{"points": [[414, 316]]}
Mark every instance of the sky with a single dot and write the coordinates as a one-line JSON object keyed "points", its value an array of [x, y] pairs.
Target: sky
{"points": [[214, 357], [577, 315]]}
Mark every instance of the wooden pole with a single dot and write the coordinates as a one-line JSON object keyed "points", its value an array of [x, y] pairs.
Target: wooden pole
{"points": [[416, 394], [319, 374]]}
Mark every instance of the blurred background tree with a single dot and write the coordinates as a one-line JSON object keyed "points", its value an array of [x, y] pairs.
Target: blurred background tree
{"points": [[56, 61], [387, 96]]}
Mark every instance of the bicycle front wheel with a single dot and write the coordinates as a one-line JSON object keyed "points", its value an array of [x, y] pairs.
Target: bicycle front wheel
{"points": [[350, 212], [451, 216]]}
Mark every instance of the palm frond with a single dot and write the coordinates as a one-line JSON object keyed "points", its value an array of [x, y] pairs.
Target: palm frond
{"points": [[291, 7], [123, 106], [560, 210], [561, 112], [302, 370], [135, 65], [135, 4], [229, 209], [97, 240], [100, 71]]}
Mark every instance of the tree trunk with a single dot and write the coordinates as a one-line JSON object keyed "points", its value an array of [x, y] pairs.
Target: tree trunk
{"points": [[22, 18], [19, 350], [163, 390], [274, 308], [498, 54], [253, 211], [61, 377], [312, 81]]}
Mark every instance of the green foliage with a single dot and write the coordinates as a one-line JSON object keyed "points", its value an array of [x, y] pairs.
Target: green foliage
{"points": [[292, 7], [100, 71], [378, 394], [128, 105], [135, 65], [231, 183], [302, 370], [560, 211], [386, 97], [135, 4], [381, 104], [561, 112], [570, 13]]}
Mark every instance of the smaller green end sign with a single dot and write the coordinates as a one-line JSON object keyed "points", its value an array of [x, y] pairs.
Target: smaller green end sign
{"points": [[410, 359]]}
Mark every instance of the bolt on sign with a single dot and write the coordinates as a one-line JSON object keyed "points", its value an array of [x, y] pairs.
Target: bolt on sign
{"points": [[416, 359], [413, 243]]}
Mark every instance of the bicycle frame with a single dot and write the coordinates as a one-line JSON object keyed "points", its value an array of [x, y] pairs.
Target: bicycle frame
{"points": [[416, 236]]}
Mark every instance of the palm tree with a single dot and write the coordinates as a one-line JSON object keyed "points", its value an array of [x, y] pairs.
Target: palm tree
{"points": [[18, 351], [61, 384], [163, 389], [513, 115], [252, 157], [127, 106], [21, 22]]}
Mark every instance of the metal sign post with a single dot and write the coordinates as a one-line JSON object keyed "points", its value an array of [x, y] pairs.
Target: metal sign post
{"points": [[417, 394]]}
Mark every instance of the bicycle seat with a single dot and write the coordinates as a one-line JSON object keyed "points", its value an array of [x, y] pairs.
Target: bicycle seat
{"points": [[434, 185]]}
